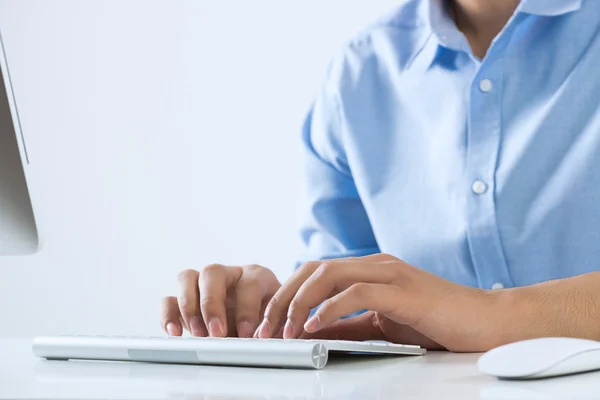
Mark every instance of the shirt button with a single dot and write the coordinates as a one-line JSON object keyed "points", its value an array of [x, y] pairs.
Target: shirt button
{"points": [[479, 187], [485, 85], [497, 286]]}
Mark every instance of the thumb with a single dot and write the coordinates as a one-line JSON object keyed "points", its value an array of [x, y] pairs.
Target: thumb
{"points": [[362, 327]]}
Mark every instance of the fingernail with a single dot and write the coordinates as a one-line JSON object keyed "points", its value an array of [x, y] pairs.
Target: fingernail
{"points": [[196, 326], [215, 327], [172, 329], [245, 330], [312, 325], [288, 331], [265, 330], [257, 331]]}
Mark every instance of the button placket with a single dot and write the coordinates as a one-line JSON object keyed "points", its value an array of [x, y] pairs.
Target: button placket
{"points": [[484, 135]]}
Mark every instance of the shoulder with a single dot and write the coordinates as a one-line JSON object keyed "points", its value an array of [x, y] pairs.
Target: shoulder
{"points": [[389, 42], [409, 16]]}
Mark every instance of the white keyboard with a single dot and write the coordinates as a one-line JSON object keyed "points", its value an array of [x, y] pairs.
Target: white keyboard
{"points": [[278, 353]]}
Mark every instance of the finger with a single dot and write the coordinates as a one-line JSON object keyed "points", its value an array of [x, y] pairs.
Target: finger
{"points": [[334, 277], [277, 309], [171, 317], [253, 291], [189, 303], [369, 326], [359, 328], [248, 304], [373, 297], [214, 282]]}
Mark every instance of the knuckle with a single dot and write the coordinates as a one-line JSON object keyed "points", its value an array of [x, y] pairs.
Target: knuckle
{"points": [[329, 303], [208, 303], [308, 267], [265, 274], [295, 305], [187, 275], [255, 268], [387, 257], [272, 307], [326, 268], [212, 269], [251, 285], [185, 304], [273, 303], [359, 289]]}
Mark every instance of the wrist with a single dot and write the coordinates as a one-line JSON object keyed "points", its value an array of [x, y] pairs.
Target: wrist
{"points": [[513, 311], [474, 320]]}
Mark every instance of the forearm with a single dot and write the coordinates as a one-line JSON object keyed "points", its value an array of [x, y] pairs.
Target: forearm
{"points": [[567, 307]]}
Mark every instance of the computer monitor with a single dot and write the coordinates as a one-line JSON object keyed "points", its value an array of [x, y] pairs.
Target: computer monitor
{"points": [[18, 230]]}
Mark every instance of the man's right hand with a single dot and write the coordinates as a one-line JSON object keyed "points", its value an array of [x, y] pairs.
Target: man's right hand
{"points": [[220, 301]]}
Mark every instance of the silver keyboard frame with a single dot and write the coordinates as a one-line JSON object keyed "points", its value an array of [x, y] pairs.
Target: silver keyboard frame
{"points": [[275, 353]]}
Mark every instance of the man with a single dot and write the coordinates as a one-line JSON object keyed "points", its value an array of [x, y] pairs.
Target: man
{"points": [[453, 164]]}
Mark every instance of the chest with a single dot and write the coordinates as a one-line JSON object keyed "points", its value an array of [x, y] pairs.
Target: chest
{"points": [[493, 165]]}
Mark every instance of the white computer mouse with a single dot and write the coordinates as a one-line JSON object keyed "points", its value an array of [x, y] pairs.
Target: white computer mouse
{"points": [[541, 358]]}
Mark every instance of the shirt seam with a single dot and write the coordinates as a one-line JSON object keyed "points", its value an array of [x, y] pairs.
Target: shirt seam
{"points": [[337, 109]]}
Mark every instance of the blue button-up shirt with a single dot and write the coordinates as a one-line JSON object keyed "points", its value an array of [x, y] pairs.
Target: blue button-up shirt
{"points": [[484, 172]]}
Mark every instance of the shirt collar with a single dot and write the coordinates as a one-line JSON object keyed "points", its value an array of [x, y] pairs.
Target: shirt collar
{"points": [[442, 23], [549, 7], [442, 32], [443, 26], [445, 32]]}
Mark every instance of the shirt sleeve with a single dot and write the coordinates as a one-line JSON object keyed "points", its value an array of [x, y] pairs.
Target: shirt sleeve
{"points": [[333, 219]]}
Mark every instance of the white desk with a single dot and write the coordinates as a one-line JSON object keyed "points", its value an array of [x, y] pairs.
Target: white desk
{"points": [[434, 376]]}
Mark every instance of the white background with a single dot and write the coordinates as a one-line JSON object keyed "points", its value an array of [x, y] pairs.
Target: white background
{"points": [[163, 135]]}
